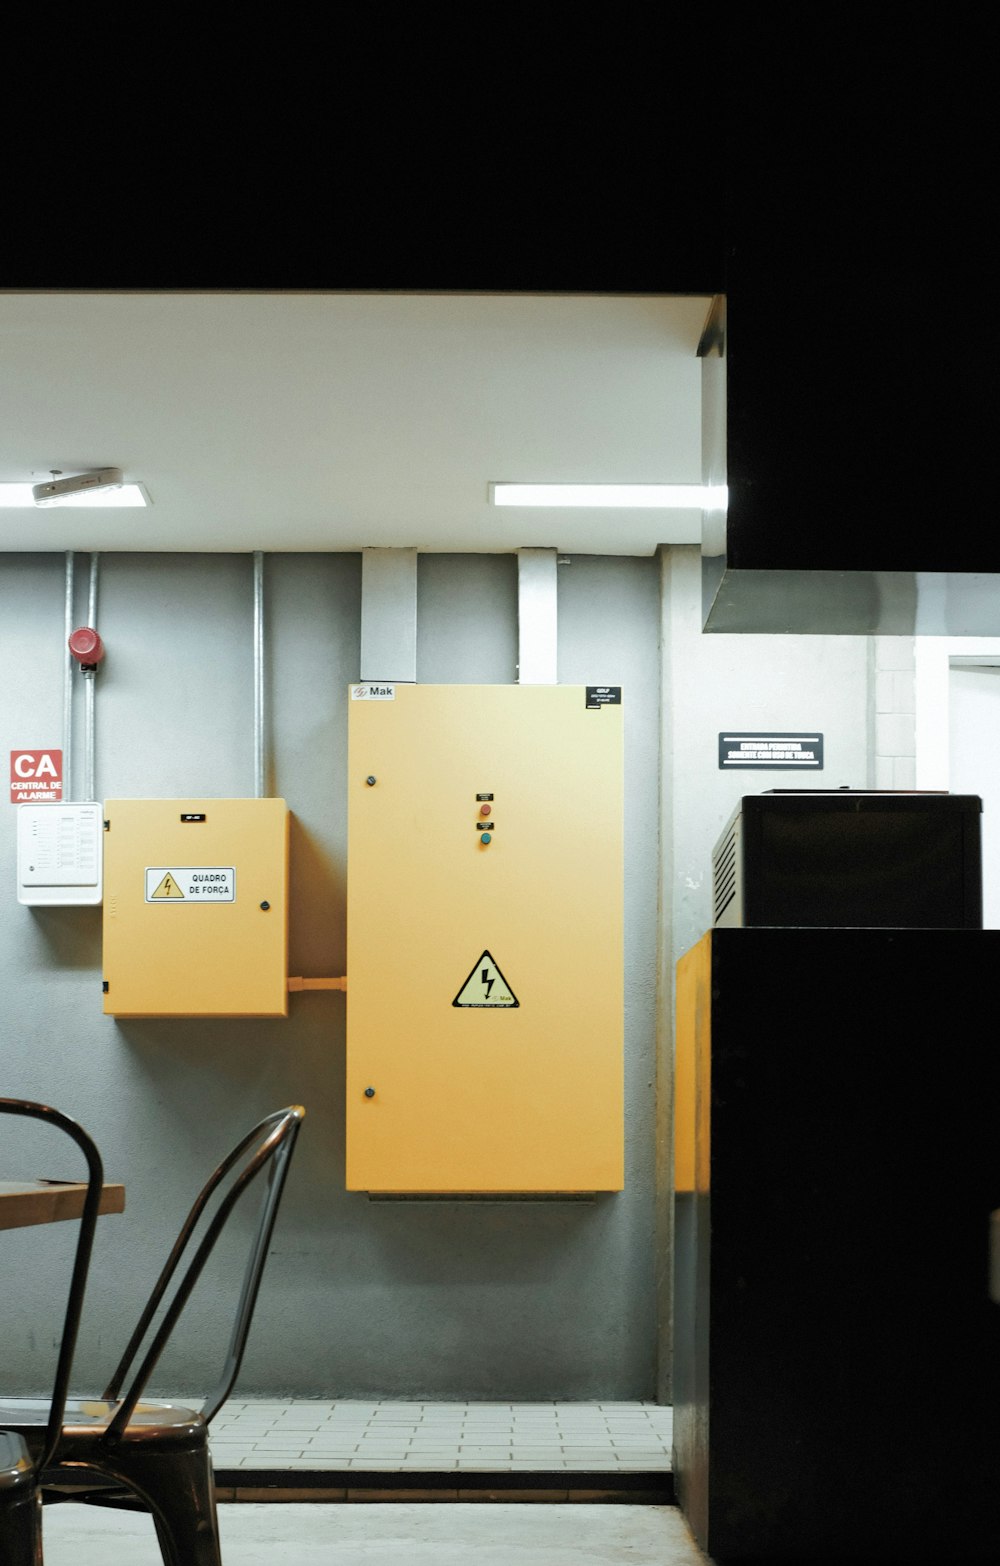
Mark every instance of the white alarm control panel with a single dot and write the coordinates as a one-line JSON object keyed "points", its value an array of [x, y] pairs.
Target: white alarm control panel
{"points": [[60, 853]]}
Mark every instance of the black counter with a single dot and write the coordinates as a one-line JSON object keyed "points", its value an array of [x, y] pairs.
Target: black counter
{"points": [[836, 1349]]}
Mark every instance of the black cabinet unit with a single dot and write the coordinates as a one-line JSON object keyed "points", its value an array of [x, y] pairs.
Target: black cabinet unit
{"points": [[837, 1150], [863, 857]]}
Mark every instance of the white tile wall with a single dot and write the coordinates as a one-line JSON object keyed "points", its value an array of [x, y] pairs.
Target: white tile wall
{"points": [[895, 709]]}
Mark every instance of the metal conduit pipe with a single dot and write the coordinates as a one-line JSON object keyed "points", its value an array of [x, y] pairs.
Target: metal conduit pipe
{"points": [[258, 673], [68, 683], [88, 688]]}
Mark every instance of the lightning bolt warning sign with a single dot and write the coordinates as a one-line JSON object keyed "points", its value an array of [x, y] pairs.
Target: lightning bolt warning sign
{"points": [[486, 986], [167, 888]]}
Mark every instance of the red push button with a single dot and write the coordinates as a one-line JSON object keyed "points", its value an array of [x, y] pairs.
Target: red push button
{"points": [[484, 810]]}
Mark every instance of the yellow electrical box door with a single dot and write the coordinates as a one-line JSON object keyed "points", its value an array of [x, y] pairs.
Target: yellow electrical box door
{"points": [[485, 991], [196, 908]]}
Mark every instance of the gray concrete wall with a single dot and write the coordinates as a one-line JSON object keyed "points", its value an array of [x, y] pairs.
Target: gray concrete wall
{"points": [[439, 1300]]}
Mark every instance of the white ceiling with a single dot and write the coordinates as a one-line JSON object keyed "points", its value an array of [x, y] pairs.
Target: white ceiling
{"points": [[339, 421]]}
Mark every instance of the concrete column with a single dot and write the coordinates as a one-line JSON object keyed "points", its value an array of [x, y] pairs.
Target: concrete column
{"points": [[389, 615], [537, 617]]}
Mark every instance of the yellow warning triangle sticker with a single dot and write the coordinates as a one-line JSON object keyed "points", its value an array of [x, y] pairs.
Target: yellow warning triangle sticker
{"points": [[486, 986], [167, 888]]}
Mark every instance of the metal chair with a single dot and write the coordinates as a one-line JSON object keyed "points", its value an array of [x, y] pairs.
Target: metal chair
{"points": [[20, 1471], [20, 1504], [120, 1451]]}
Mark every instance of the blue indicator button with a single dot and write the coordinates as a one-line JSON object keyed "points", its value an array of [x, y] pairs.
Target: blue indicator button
{"points": [[485, 837]]}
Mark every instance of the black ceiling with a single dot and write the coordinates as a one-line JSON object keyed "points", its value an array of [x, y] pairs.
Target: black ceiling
{"points": [[832, 174]]}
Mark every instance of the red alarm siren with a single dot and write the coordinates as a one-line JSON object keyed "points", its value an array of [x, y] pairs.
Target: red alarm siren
{"points": [[86, 647]]}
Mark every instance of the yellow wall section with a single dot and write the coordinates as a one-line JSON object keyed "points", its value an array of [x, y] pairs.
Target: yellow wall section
{"points": [[177, 957], [692, 1068], [526, 1098]]}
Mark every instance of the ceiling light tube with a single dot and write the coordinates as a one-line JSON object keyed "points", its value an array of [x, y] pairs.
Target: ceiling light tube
{"points": [[128, 496], [18, 497], [650, 497]]}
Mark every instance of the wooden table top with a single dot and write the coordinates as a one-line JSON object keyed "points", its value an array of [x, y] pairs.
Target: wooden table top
{"points": [[24, 1202]]}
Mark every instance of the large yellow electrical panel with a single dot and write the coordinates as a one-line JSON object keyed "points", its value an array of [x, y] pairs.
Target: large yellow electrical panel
{"points": [[196, 908], [484, 1001]]}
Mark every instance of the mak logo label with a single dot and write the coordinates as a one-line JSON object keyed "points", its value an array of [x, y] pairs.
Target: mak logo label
{"points": [[373, 693], [486, 986]]}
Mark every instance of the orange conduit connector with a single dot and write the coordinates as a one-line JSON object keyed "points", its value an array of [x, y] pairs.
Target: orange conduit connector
{"points": [[318, 984]]}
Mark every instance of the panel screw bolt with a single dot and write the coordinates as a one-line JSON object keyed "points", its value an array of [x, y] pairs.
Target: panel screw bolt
{"points": [[371, 782], [265, 906], [369, 1092]]}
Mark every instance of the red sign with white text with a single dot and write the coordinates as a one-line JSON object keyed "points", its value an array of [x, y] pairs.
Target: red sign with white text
{"points": [[35, 776]]}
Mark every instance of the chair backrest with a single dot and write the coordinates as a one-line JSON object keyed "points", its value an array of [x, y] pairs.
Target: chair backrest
{"points": [[81, 1263], [269, 1145]]}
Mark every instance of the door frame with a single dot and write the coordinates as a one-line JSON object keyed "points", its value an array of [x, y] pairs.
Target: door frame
{"points": [[934, 657]]}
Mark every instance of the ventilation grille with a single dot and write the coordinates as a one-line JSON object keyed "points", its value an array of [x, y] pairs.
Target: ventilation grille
{"points": [[724, 870]]}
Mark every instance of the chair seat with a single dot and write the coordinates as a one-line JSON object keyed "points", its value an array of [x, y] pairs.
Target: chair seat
{"points": [[16, 1467], [153, 1424]]}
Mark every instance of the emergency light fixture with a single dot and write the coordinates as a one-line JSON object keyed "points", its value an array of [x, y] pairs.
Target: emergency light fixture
{"points": [[58, 491]]}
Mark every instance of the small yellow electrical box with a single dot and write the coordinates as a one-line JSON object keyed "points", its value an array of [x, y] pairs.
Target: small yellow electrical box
{"points": [[485, 992], [196, 908]]}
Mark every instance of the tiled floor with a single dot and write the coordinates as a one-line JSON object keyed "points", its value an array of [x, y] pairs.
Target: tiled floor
{"points": [[306, 1434], [265, 1450]]}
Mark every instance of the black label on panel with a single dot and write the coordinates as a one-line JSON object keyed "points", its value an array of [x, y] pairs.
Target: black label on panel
{"points": [[192, 815], [604, 695], [771, 752]]}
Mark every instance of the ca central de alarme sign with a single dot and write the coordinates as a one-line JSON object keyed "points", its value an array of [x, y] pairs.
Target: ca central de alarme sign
{"points": [[35, 776]]}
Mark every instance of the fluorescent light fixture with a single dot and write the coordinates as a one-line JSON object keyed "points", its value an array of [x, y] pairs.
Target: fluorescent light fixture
{"points": [[126, 496], [649, 497], [20, 497]]}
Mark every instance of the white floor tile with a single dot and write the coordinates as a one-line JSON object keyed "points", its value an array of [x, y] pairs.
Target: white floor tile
{"points": [[270, 1434]]}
